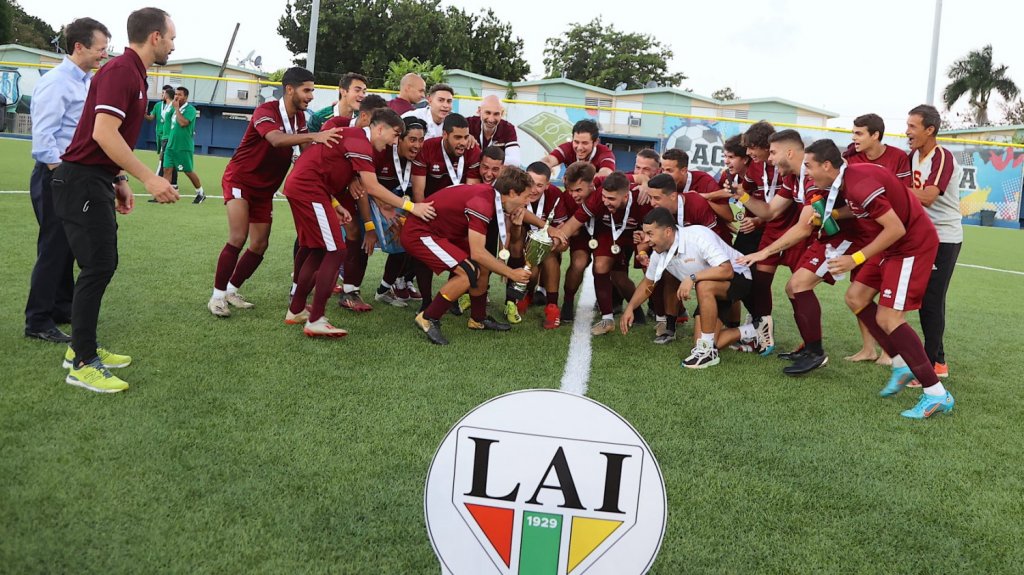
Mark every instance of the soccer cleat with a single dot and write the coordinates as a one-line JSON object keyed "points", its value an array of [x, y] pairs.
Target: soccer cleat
{"points": [[238, 300], [322, 328], [683, 317], [338, 288], [512, 312], [639, 318], [465, 302], [488, 323], [794, 355], [701, 356], [414, 294], [667, 337], [552, 316], [929, 405], [391, 298], [742, 347], [353, 301], [52, 335], [524, 304], [602, 327], [660, 328], [807, 363], [568, 312], [914, 384], [401, 293], [296, 318], [942, 370], [899, 379], [431, 327], [109, 359], [95, 376], [218, 306], [766, 335], [200, 198]]}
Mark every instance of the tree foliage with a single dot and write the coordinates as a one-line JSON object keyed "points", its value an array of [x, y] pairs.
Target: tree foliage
{"points": [[365, 35], [1013, 112], [977, 77], [596, 54], [431, 74], [19, 27], [725, 93]]}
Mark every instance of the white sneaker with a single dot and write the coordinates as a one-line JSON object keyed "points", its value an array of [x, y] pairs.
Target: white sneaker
{"points": [[296, 318], [702, 355], [660, 328], [218, 307], [236, 299], [602, 327], [390, 298], [321, 328], [766, 335]]}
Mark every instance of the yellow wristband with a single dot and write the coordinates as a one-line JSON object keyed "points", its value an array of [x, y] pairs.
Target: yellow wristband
{"points": [[858, 258], [408, 205], [368, 226], [642, 253], [744, 198], [334, 202]]}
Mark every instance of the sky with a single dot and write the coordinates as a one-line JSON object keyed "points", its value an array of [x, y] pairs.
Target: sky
{"points": [[850, 58]]}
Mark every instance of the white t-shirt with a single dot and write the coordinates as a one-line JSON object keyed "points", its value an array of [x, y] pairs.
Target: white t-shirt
{"points": [[433, 130], [940, 169], [697, 248]]}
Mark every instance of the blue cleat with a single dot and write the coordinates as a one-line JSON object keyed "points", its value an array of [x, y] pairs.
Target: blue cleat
{"points": [[930, 405], [899, 379]]}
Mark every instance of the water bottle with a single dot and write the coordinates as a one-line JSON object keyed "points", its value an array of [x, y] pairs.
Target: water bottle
{"points": [[832, 253], [829, 225]]}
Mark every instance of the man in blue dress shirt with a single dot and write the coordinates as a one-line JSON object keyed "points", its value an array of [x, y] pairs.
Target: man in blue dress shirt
{"points": [[56, 107]]}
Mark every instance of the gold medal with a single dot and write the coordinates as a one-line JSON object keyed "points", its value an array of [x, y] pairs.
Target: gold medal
{"points": [[616, 249], [592, 243], [504, 255]]}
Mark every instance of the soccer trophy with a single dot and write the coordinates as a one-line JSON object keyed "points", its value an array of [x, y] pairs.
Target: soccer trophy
{"points": [[538, 246]]}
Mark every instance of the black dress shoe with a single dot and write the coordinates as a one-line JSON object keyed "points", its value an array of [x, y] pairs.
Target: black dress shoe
{"points": [[61, 318], [54, 335], [809, 362]]}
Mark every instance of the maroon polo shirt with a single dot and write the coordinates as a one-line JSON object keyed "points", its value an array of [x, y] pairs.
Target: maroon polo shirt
{"points": [[118, 89]]}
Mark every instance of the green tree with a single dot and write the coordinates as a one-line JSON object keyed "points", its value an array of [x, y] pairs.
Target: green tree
{"points": [[364, 36], [1013, 112], [431, 74], [975, 75], [6, 21], [600, 55], [723, 94], [277, 75], [23, 28]]}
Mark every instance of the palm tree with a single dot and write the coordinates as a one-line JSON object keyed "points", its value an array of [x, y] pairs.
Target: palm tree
{"points": [[975, 75]]}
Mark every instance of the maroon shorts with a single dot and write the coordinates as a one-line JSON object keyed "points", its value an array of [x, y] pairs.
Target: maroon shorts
{"points": [[604, 248], [317, 224], [579, 241], [437, 253], [815, 259], [261, 202], [790, 258], [900, 280]]}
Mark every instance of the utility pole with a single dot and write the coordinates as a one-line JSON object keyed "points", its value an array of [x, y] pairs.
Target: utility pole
{"points": [[224, 65], [930, 97], [314, 23]]}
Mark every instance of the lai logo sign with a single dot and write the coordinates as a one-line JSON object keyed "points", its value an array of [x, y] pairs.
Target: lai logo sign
{"points": [[543, 482]]}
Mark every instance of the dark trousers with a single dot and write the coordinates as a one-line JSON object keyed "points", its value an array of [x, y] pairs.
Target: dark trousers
{"points": [[83, 198], [933, 306], [53, 280]]}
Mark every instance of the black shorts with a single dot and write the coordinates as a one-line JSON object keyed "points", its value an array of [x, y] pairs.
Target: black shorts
{"points": [[739, 287], [748, 243]]}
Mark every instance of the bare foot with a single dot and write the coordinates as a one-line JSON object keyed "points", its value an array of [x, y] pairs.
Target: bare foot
{"points": [[863, 355], [884, 359]]}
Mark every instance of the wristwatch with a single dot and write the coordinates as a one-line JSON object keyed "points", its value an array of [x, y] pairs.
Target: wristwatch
{"points": [[693, 278], [120, 178]]}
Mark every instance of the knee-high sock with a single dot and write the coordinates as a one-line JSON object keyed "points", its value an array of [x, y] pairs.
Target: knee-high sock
{"points": [[393, 267], [867, 316], [247, 265], [478, 307], [326, 277], [424, 281], [761, 293], [910, 348], [658, 299], [300, 258], [437, 308], [604, 288], [305, 279], [225, 265], [808, 319], [355, 262]]}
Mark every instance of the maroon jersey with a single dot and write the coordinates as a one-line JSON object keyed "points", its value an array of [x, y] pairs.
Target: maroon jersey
{"points": [[553, 198], [387, 174], [339, 122], [459, 209], [698, 181], [892, 159], [601, 156], [754, 184], [256, 164], [848, 229], [400, 105], [118, 89], [430, 162], [321, 172], [504, 135], [871, 191], [594, 207]]}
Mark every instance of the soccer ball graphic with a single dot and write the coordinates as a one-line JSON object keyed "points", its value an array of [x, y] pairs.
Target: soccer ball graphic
{"points": [[687, 138]]}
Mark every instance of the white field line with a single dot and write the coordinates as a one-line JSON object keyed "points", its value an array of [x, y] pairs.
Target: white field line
{"points": [[992, 269], [577, 364], [276, 198]]}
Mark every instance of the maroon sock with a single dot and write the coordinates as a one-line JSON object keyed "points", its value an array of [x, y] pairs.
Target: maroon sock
{"points": [[392, 267], [761, 293], [424, 281], [552, 297], [326, 278], [247, 265], [808, 319], [603, 287], [300, 258], [355, 262], [658, 298], [617, 297], [909, 347], [478, 307], [305, 279], [437, 308], [225, 265], [868, 316]]}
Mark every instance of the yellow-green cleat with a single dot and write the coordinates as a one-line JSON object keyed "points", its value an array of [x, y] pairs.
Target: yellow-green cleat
{"points": [[95, 377], [512, 313], [109, 359]]}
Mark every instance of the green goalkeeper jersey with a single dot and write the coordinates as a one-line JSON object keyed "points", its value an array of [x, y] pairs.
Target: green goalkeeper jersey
{"points": [[182, 138]]}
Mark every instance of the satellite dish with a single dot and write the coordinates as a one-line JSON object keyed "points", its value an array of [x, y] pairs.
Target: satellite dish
{"points": [[258, 62], [248, 58], [620, 87]]}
